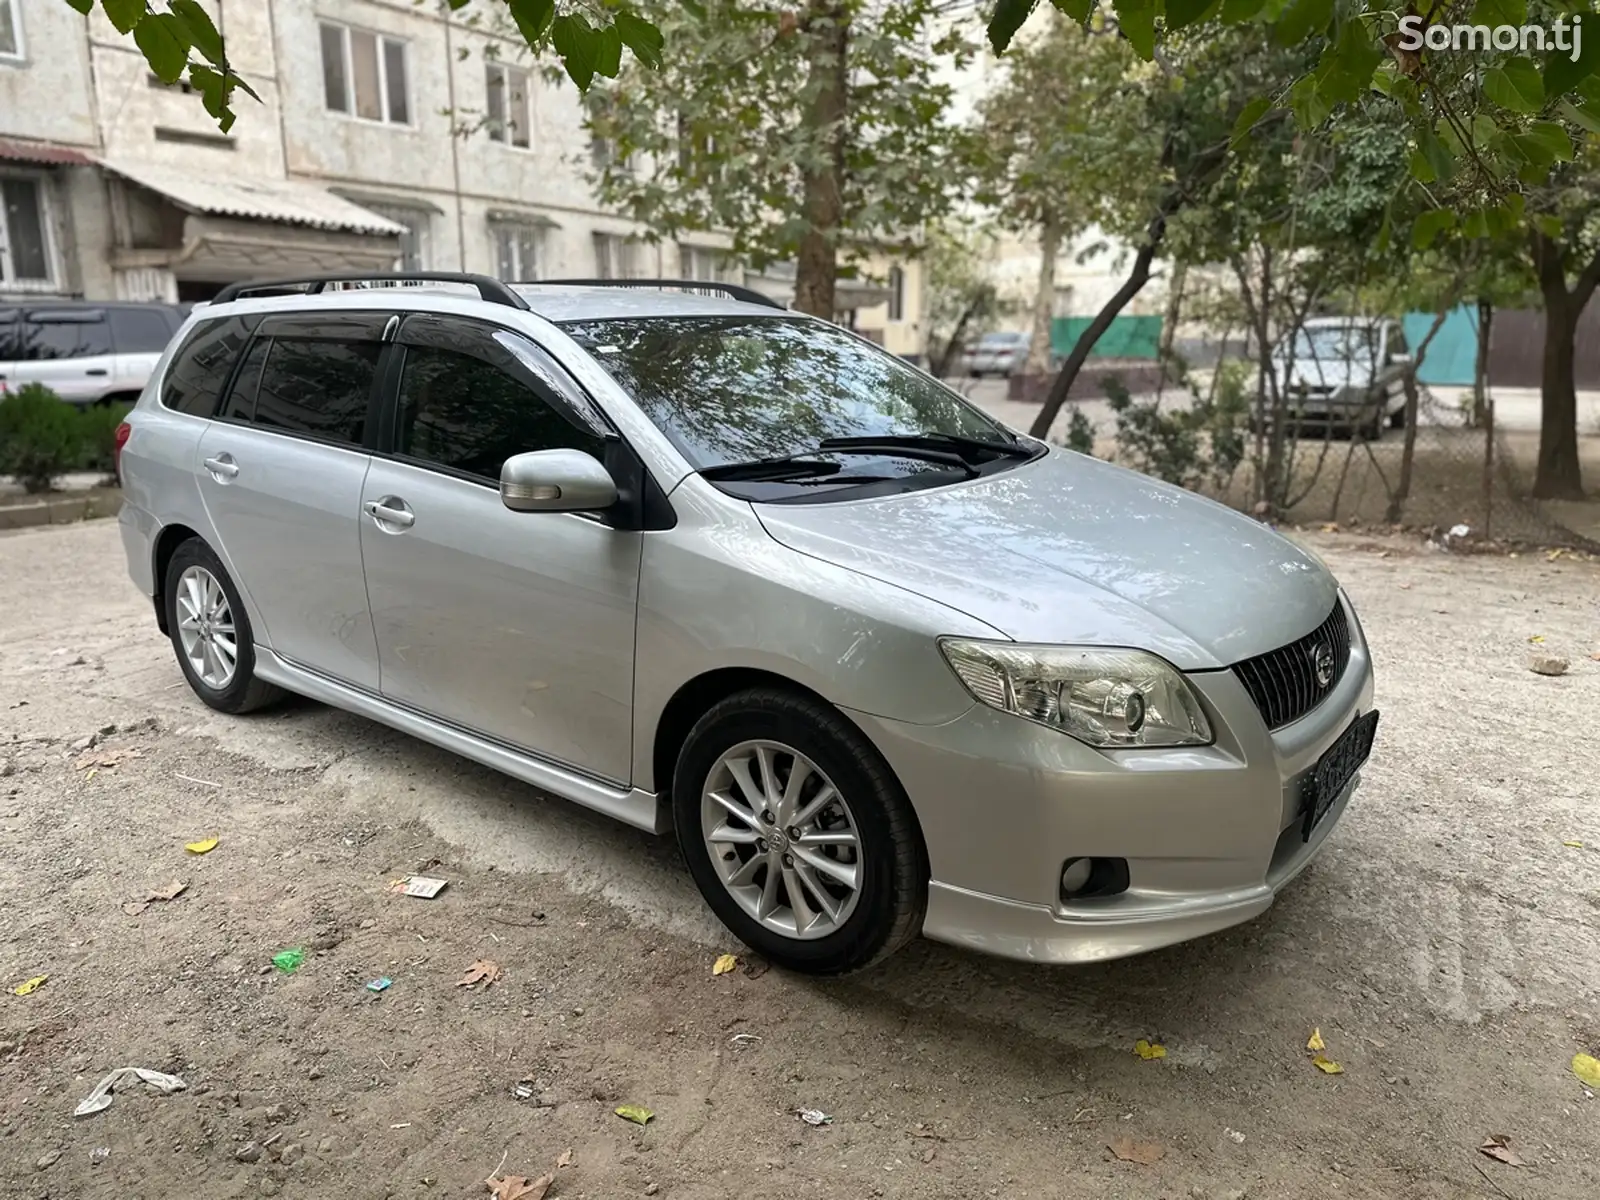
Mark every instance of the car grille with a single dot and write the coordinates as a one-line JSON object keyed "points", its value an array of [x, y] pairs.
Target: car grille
{"points": [[1284, 683]]}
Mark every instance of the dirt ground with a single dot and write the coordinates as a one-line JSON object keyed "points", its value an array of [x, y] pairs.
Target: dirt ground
{"points": [[1445, 945]]}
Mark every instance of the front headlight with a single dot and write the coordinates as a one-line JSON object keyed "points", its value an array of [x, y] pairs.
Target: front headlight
{"points": [[1107, 698]]}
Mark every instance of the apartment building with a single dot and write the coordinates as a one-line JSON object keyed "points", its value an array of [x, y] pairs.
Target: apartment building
{"points": [[388, 133]]}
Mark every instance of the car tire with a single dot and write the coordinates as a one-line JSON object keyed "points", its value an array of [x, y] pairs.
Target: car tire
{"points": [[1397, 419], [886, 860], [195, 571]]}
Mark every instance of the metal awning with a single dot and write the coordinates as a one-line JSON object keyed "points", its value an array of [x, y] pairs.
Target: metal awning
{"points": [[281, 201], [43, 154]]}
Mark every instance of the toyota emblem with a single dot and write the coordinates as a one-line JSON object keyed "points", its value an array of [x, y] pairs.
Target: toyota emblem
{"points": [[1322, 663]]}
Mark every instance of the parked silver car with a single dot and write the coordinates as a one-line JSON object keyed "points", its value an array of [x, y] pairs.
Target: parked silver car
{"points": [[700, 563], [1346, 371], [1000, 353]]}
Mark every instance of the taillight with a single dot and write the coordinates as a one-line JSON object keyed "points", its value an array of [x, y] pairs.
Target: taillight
{"points": [[122, 433]]}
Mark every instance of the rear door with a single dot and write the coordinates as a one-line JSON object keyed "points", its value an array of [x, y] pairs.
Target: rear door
{"points": [[68, 350], [519, 626], [281, 471]]}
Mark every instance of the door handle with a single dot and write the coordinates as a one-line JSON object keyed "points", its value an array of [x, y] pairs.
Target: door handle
{"points": [[391, 510], [97, 371], [222, 467]]}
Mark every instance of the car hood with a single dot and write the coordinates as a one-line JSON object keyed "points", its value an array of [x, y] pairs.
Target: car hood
{"points": [[1068, 549], [1325, 373]]}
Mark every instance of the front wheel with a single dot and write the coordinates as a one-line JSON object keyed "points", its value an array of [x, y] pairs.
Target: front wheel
{"points": [[798, 835]]}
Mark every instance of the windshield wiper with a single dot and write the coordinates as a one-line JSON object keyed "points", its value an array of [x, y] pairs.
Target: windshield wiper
{"points": [[784, 467], [948, 445]]}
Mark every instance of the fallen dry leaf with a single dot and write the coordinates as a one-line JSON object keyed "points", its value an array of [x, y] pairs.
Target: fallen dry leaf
{"points": [[1315, 1042], [1405, 587], [518, 1187], [724, 964], [1144, 1153], [1573, 845], [1587, 1068], [1326, 1065], [202, 847], [105, 758], [1498, 1147], [34, 984], [484, 971], [1537, 639], [565, 1160], [637, 1113], [1148, 1050]]}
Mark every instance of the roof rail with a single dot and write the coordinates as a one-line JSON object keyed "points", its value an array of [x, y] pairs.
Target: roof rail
{"points": [[489, 289], [732, 290]]}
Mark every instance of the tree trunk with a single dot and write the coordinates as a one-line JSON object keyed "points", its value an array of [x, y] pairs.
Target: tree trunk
{"points": [[827, 26], [1170, 319], [1044, 299], [1402, 490], [1558, 476], [1480, 369], [940, 366]]}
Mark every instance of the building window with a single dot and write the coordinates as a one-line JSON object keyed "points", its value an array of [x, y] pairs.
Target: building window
{"points": [[24, 230], [615, 256], [700, 262], [508, 109], [897, 294], [414, 241], [516, 249], [364, 74], [10, 30]]}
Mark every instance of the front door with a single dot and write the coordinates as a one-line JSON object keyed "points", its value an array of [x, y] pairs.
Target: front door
{"points": [[516, 626], [281, 471]]}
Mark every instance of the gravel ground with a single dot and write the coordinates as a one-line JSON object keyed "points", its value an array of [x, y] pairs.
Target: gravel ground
{"points": [[1445, 945]]}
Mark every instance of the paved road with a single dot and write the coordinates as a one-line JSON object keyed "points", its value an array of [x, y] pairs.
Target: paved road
{"points": [[1445, 945]]}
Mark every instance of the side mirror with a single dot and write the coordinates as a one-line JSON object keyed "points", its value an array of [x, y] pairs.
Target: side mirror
{"points": [[556, 481]]}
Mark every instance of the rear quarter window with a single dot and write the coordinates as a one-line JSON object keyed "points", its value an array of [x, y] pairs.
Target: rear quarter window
{"points": [[202, 366]]}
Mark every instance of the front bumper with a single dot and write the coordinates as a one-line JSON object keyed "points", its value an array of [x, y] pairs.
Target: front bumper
{"points": [[1210, 834]]}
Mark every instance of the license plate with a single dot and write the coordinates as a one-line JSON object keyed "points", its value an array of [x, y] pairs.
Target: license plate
{"points": [[1335, 769]]}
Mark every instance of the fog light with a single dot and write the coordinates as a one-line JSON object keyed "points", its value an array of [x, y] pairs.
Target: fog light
{"points": [[1092, 878], [1076, 875]]}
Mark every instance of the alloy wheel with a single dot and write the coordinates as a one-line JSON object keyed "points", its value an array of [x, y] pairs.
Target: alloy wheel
{"points": [[205, 628], [782, 839]]}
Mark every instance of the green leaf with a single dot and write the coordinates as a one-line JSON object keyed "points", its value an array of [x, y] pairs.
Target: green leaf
{"points": [[1137, 20], [83, 6], [1551, 138], [1438, 155], [1500, 12], [1515, 86], [694, 8], [578, 45], [124, 14], [1252, 113], [1076, 11], [1475, 224], [213, 89], [643, 38], [608, 52], [163, 39], [1585, 117], [1561, 73], [1302, 19], [1310, 107], [1183, 13], [1347, 67], [1237, 12], [202, 34], [533, 19], [1430, 225], [1007, 19], [1550, 226], [1506, 216]]}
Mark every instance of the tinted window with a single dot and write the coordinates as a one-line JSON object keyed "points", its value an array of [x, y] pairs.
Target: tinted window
{"points": [[732, 389], [317, 387], [241, 402], [43, 340], [460, 412], [140, 330], [10, 328], [201, 368]]}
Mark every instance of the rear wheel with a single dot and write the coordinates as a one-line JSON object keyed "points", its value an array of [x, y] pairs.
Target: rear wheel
{"points": [[798, 835], [211, 632]]}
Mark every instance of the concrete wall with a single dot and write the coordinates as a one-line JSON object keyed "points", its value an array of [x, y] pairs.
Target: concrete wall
{"points": [[46, 94]]}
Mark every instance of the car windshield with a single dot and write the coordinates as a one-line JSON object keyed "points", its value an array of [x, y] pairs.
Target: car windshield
{"points": [[738, 389], [1336, 343]]}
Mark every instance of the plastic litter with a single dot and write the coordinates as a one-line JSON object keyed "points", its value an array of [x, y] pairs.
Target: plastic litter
{"points": [[379, 985], [288, 961], [424, 887], [814, 1116], [100, 1098]]}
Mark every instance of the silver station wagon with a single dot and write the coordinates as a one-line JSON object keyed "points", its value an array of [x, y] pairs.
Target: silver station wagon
{"points": [[883, 665]]}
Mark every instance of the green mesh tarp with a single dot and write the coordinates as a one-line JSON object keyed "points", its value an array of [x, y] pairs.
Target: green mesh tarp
{"points": [[1128, 337]]}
